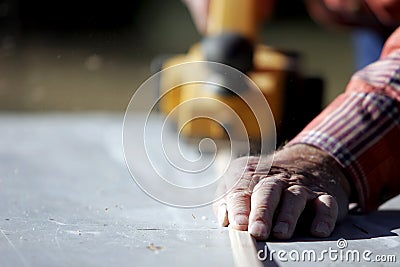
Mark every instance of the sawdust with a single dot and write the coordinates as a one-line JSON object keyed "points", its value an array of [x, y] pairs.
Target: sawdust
{"points": [[154, 248]]}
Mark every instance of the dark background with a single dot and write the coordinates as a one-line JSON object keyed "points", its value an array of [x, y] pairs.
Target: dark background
{"points": [[85, 55], [74, 15]]}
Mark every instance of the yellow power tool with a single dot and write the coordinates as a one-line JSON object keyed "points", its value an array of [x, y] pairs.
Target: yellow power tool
{"points": [[232, 38]]}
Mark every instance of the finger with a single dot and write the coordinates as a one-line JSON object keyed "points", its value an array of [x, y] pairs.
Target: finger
{"points": [[239, 191], [293, 202], [221, 211], [232, 179], [264, 200], [326, 212], [238, 205]]}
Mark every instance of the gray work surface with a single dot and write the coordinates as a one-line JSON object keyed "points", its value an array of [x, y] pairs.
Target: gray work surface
{"points": [[67, 199]]}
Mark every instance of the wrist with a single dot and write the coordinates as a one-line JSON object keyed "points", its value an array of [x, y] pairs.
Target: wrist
{"points": [[313, 162]]}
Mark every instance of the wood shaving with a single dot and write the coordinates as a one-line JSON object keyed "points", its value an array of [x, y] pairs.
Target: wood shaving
{"points": [[154, 248]]}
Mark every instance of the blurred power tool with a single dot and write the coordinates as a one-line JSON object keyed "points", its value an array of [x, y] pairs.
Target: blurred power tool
{"points": [[231, 38]]}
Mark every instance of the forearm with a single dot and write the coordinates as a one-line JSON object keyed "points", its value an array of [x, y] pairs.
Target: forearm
{"points": [[361, 131]]}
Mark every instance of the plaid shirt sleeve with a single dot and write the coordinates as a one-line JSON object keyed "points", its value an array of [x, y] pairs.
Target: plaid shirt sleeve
{"points": [[361, 130]]}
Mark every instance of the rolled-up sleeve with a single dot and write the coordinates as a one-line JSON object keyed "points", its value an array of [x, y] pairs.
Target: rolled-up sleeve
{"points": [[361, 130]]}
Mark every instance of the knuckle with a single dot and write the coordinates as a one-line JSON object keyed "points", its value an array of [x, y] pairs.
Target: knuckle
{"points": [[329, 207], [262, 208], [270, 182], [238, 209], [238, 194], [238, 202], [297, 190]]}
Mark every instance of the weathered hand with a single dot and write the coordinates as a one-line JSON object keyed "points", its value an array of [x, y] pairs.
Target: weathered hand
{"points": [[270, 203]]}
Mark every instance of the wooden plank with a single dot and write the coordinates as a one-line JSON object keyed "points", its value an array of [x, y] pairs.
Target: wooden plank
{"points": [[244, 249]]}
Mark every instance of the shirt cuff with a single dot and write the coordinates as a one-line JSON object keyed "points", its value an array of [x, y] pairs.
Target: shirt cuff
{"points": [[360, 130]]}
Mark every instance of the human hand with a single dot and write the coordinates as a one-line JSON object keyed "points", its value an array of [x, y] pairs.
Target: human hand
{"points": [[269, 203]]}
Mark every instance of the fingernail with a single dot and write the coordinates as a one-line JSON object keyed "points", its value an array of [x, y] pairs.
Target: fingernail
{"points": [[241, 220], [222, 215], [258, 229], [322, 228], [281, 228]]}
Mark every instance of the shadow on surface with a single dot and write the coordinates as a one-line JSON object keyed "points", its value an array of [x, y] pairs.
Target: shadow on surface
{"points": [[375, 224], [381, 223]]}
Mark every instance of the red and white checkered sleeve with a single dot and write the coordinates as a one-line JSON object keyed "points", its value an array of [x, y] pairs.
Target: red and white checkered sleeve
{"points": [[361, 130]]}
